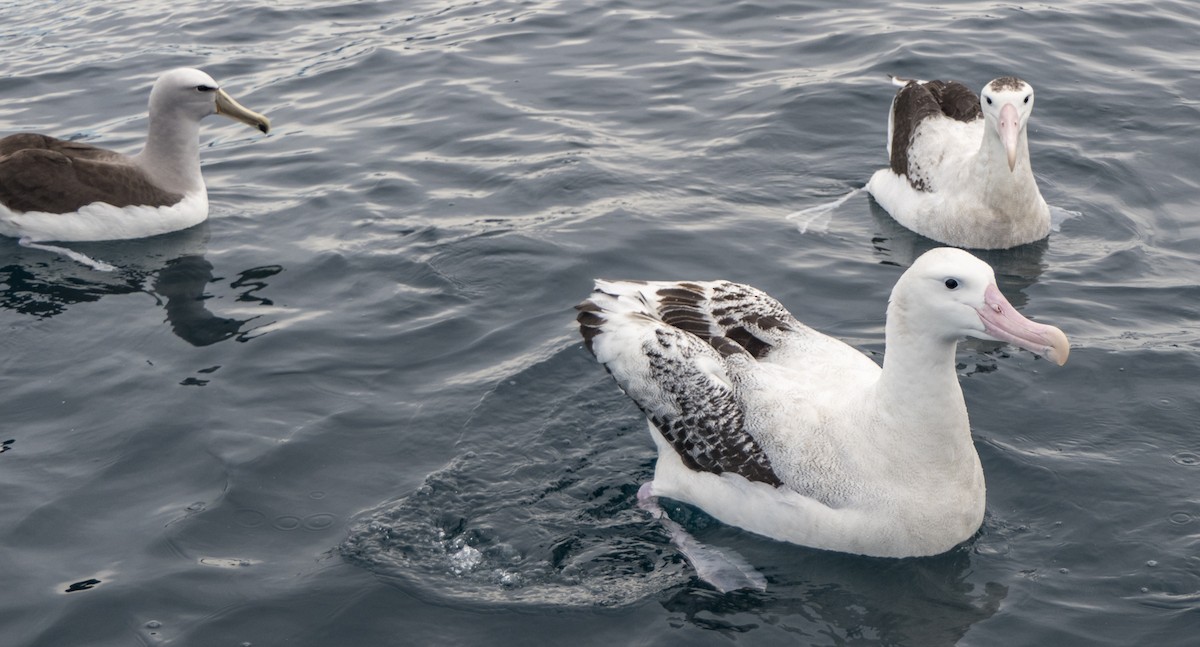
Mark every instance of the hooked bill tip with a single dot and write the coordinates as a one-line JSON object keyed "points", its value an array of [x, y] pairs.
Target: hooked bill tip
{"points": [[1059, 348]]}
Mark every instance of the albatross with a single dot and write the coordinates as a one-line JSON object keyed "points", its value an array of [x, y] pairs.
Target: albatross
{"points": [[771, 426], [57, 190], [959, 168]]}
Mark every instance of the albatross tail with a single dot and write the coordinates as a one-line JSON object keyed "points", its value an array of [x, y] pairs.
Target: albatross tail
{"points": [[901, 82]]}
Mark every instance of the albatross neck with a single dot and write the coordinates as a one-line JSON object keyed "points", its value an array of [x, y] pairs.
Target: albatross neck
{"points": [[171, 156], [919, 377], [991, 161]]}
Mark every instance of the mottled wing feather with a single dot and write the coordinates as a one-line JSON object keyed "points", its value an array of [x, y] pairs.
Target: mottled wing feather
{"points": [[916, 102], [590, 321], [739, 313], [956, 100], [701, 417], [39, 173], [708, 431]]}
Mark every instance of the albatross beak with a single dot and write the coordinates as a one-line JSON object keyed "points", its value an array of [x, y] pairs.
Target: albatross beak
{"points": [[1010, 130], [1004, 323], [234, 110]]}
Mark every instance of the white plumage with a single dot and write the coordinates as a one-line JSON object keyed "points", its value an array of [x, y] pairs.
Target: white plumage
{"points": [[959, 169], [771, 426]]}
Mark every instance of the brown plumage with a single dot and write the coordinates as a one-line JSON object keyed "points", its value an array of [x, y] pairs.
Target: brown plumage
{"points": [[916, 102], [41, 173]]}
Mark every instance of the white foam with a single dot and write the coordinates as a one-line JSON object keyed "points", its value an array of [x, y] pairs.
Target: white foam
{"points": [[71, 254], [1058, 216]]}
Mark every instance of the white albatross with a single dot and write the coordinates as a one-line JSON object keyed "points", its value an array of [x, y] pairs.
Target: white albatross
{"points": [[959, 169], [771, 426], [56, 190]]}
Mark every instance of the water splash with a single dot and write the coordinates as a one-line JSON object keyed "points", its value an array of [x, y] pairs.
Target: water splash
{"points": [[1058, 216], [539, 508]]}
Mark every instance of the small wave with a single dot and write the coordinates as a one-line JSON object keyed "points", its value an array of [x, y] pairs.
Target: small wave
{"points": [[541, 509]]}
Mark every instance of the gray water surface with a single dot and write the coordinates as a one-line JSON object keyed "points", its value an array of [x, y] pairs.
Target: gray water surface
{"points": [[352, 407]]}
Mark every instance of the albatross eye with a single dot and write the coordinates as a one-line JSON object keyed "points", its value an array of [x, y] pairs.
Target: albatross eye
{"points": [[1027, 97], [989, 100], [951, 284], [205, 88]]}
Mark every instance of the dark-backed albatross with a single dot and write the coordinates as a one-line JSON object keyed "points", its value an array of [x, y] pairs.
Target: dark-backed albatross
{"points": [[959, 168], [57, 190], [771, 426]]}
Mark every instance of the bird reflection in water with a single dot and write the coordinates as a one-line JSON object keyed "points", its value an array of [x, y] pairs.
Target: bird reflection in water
{"points": [[847, 599], [33, 286], [1017, 268], [182, 281]]}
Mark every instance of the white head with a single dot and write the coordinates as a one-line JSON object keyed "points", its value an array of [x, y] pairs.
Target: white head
{"points": [[1007, 103], [950, 294], [194, 95]]}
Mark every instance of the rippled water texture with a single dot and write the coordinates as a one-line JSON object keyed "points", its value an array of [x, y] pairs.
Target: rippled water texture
{"points": [[352, 408]]}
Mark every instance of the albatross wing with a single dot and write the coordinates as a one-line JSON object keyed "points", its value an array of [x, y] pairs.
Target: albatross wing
{"points": [[48, 175], [676, 377]]}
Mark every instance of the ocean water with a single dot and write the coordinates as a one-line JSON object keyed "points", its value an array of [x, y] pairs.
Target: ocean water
{"points": [[352, 408]]}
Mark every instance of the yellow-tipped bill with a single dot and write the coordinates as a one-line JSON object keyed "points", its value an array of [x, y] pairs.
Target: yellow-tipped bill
{"points": [[234, 110]]}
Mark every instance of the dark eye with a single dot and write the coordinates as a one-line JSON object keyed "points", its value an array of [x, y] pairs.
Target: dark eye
{"points": [[989, 100], [205, 88], [1027, 97], [951, 284]]}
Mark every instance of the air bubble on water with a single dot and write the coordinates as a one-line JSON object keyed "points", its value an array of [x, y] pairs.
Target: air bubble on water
{"points": [[465, 560], [508, 579]]}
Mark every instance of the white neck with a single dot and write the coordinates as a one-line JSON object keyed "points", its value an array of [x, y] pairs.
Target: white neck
{"points": [[171, 156], [992, 163], [919, 379], [1018, 214]]}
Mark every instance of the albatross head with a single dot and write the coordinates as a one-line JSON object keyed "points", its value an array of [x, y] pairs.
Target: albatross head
{"points": [[196, 95], [950, 293], [1007, 103]]}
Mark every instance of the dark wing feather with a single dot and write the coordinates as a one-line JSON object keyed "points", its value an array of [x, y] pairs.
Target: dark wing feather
{"points": [[916, 102], [956, 100], [708, 431], [737, 313], [700, 417], [40, 173]]}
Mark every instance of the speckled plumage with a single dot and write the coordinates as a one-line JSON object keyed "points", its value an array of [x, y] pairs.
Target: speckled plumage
{"points": [[774, 427], [697, 415]]}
